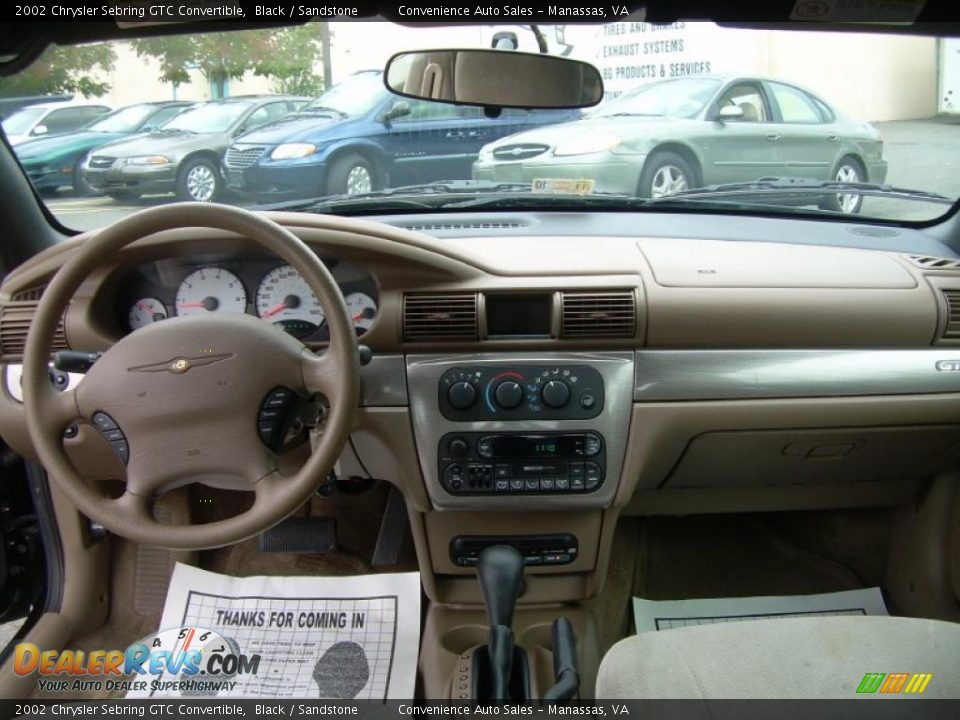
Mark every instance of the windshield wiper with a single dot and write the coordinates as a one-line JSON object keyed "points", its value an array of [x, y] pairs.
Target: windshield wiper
{"points": [[452, 187], [631, 114], [780, 186]]}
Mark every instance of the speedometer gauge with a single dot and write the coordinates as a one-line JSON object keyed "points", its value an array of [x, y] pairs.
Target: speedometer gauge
{"points": [[286, 299], [211, 289], [362, 309], [145, 311]]}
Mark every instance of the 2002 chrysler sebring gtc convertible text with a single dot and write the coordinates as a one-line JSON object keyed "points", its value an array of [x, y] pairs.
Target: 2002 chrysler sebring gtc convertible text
{"points": [[495, 363]]}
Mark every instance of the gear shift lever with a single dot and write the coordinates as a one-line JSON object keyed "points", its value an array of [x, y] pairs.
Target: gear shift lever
{"points": [[500, 569]]}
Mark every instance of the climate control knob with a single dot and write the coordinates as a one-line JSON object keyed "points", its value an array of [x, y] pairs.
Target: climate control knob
{"points": [[462, 395], [555, 394], [508, 394]]}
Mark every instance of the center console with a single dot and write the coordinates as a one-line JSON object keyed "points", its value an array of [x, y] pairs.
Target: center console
{"points": [[546, 431]]}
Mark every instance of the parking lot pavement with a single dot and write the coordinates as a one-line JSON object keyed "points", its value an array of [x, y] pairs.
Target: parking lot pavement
{"points": [[922, 155]]}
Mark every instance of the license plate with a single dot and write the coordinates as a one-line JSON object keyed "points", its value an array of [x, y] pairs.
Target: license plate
{"points": [[563, 186], [235, 178]]}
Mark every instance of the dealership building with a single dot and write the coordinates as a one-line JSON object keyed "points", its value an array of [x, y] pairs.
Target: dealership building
{"points": [[869, 77]]}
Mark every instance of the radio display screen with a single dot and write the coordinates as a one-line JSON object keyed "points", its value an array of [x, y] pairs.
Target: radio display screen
{"points": [[542, 446]]}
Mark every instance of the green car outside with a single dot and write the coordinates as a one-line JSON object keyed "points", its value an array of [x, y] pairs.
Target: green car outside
{"points": [[55, 162], [673, 135]]}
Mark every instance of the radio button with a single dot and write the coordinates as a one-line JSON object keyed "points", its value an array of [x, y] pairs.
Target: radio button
{"points": [[516, 486], [563, 484], [577, 484], [593, 444], [485, 447], [576, 469], [501, 472], [547, 484], [458, 447], [531, 485], [502, 485]]}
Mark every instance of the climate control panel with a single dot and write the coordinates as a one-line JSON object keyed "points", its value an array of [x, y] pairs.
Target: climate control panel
{"points": [[523, 392], [544, 463]]}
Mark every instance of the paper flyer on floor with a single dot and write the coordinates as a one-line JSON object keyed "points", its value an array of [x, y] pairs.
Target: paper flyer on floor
{"points": [[353, 638]]}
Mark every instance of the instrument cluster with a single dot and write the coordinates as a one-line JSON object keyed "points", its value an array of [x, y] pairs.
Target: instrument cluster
{"points": [[268, 289]]}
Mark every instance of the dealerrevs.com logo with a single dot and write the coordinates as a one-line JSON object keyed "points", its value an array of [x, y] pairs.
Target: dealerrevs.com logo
{"points": [[188, 660]]}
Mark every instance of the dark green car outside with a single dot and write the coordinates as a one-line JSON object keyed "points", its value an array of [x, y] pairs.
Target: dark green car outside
{"points": [[55, 162]]}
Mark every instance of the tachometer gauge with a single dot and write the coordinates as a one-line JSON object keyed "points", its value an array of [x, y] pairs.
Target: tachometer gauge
{"points": [[145, 311], [362, 309], [284, 298], [211, 289]]}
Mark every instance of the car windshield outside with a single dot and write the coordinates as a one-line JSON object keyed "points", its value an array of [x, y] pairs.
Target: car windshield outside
{"points": [[212, 118], [694, 117], [22, 120], [671, 98], [124, 120], [355, 96]]}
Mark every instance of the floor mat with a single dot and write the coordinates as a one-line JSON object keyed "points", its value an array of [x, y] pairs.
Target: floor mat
{"points": [[293, 637], [653, 615], [744, 556]]}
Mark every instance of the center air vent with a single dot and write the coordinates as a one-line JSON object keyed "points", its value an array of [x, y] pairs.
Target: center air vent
{"points": [[951, 329], [598, 314], [440, 316], [461, 225]]}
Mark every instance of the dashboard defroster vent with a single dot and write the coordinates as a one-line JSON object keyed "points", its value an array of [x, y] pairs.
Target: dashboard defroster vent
{"points": [[15, 320], [951, 329], [440, 316], [598, 314], [929, 262]]}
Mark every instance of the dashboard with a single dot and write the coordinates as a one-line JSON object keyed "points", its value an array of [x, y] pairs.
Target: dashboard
{"points": [[259, 286]]}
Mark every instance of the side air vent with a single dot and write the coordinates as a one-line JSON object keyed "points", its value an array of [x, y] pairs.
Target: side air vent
{"points": [[598, 314], [29, 295], [951, 330], [15, 320], [928, 262], [440, 317]]}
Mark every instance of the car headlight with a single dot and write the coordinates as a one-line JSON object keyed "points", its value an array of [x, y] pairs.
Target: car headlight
{"points": [[290, 151], [588, 145], [486, 153], [148, 160]]}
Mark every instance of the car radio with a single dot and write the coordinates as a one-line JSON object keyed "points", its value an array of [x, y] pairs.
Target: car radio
{"points": [[478, 463]]}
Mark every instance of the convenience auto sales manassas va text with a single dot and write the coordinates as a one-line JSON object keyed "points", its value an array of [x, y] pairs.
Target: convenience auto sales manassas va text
{"points": [[509, 11]]}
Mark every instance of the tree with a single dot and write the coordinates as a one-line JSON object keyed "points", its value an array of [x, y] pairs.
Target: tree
{"points": [[63, 69], [288, 55]]}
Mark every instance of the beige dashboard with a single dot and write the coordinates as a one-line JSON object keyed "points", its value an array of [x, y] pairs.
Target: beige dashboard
{"points": [[748, 375]]}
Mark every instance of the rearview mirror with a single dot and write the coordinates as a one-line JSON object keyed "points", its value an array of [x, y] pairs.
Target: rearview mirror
{"points": [[494, 78], [730, 112], [40, 130]]}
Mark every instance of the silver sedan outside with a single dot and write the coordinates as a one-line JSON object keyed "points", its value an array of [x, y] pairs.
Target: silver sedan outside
{"points": [[673, 135]]}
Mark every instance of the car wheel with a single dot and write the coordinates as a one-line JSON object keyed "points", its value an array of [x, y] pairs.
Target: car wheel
{"points": [[848, 171], [666, 173], [351, 175], [199, 181], [81, 188]]}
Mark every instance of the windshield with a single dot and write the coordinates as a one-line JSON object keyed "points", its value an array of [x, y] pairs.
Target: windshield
{"points": [[213, 118], [354, 96], [124, 120], [22, 120], [673, 98], [695, 117]]}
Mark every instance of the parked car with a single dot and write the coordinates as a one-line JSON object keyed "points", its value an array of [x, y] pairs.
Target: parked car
{"points": [[55, 162], [51, 118], [359, 137], [183, 156], [10, 105], [669, 136]]}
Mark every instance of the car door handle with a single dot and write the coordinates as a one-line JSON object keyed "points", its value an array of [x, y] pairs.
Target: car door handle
{"points": [[773, 137], [455, 134], [476, 133], [833, 138]]}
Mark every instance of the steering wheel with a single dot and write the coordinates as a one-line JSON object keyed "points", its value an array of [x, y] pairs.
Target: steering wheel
{"points": [[186, 392]]}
